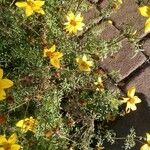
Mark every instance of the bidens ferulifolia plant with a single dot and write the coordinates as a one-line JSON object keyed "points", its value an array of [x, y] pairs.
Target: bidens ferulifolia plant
{"points": [[58, 91]]}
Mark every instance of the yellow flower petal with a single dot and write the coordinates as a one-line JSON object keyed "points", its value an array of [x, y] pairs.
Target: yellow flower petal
{"points": [[127, 110], [1, 148], [83, 64], [40, 11], [70, 16], [79, 18], [131, 92], [21, 4], [83, 68], [53, 48], [20, 123], [84, 58], [145, 147], [77, 60], [57, 55], [27, 124], [145, 11], [133, 107], [1, 73], [148, 138], [31, 6], [125, 100], [45, 52], [90, 63], [136, 100], [5, 83], [15, 147], [55, 62], [28, 11], [117, 4], [2, 94], [39, 3], [12, 139], [2, 139], [147, 26]]}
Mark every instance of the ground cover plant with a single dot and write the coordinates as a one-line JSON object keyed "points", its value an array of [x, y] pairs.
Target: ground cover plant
{"points": [[54, 95]]}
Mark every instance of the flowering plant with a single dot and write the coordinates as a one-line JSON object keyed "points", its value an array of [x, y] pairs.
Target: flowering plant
{"points": [[58, 97]]}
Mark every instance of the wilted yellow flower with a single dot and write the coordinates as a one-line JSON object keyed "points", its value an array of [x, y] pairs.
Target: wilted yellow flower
{"points": [[27, 124], [54, 56], [131, 100], [146, 146], [10, 143], [99, 84], [31, 6], [100, 147], [74, 23], [84, 64], [145, 11], [4, 84], [117, 4]]}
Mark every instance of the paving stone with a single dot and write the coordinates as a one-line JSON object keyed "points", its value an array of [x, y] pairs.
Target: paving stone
{"points": [[103, 3], [123, 61], [91, 14], [146, 47], [129, 14], [108, 31], [142, 82]]}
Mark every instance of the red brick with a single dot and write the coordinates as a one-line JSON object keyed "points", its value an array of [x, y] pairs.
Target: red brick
{"points": [[123, 61]]}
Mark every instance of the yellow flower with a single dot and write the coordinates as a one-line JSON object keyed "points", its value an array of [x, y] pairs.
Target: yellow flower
{"points": [[100, 148], [117, 4], [4, 84], [99, 84], [54, 56], [145, 11], [10, 143], [83, 64], [146, 146], [31, 6], [131, 100], [27, 124], [74, 23]]}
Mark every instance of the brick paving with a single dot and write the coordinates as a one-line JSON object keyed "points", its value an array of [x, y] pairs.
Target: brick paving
{"points": [[128, 14], [142, 82], [134, 71], [146, 47], [124, 61], [105, 33]]}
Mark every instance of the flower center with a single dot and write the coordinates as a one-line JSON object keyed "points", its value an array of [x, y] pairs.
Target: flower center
{"points": [[73, 23], [28, 123], [31, 4], [7, 146], [84, 64], [131, 100]]}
